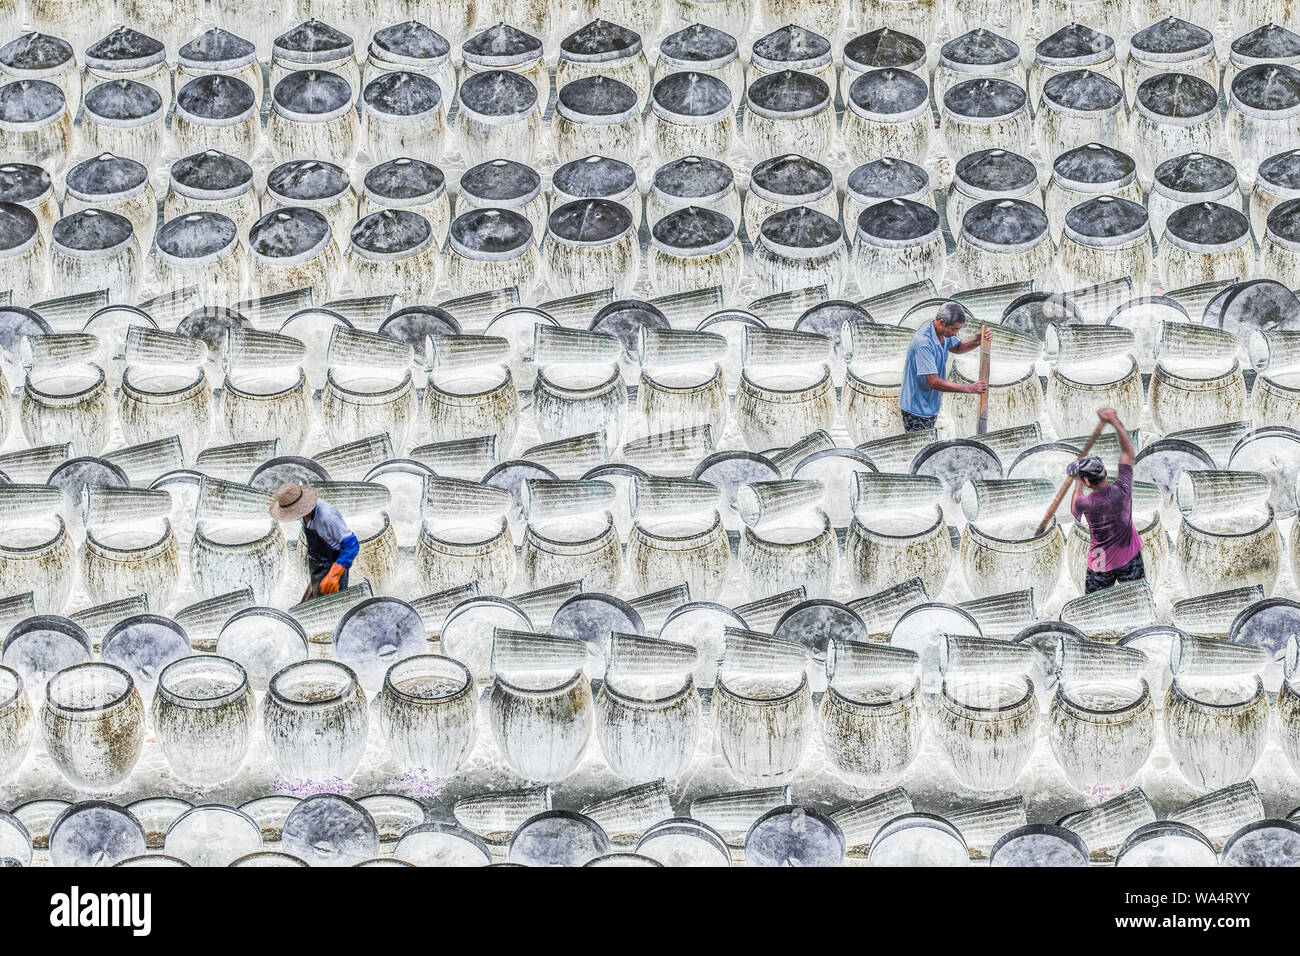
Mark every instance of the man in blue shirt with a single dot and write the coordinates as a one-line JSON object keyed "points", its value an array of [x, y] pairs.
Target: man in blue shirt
{"points": [[920, 397], [331, 545]]}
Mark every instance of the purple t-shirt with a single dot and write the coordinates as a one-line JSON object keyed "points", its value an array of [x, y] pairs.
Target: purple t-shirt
{"points": [[1113, 539]]}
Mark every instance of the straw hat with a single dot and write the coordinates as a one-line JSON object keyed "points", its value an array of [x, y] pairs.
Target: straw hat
{"points": [[292, 502]]}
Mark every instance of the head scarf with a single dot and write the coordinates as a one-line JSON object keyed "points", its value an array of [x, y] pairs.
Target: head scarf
{"points": [[1089, 468]]}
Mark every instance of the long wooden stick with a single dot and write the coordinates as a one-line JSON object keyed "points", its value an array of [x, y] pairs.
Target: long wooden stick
{"points": [[1056, 502], [986, 348]]}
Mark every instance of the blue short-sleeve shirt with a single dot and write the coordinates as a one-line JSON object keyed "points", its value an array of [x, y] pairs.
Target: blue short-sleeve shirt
{"points": [[926, 355]]}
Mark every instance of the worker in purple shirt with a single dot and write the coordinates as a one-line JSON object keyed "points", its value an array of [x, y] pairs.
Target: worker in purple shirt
{"points": [[331, 545], [1114, 545]]}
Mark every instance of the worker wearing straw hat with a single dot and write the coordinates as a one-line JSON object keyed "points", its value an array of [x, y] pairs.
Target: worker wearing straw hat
{"points": [[1114, 545], [920, 396], [331, 545]]}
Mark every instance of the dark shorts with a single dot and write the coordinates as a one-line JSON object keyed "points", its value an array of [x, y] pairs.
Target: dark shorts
{"points": [[916, 423], [1099, 580]]}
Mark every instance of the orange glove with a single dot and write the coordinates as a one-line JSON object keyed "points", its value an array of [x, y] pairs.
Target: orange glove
{"points": [[330, 583]]}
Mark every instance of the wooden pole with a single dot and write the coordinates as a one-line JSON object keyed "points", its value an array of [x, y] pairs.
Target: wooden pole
{"points": [[1056, 502], [986, 349]]}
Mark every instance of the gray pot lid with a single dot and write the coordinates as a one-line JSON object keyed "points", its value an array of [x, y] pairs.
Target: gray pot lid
{"points": [[828, 318], [589, 221], [1171, 36], [1094, 164], [1075, 42], [1207, 224], [215, 96], [124, 49], [996, 171], [1256, 305], [217, 47], [76, 474], [801, 232], [694, 177], [596, 96], [402, 94], [594, 177], [501, 180], [600, 40], [490, 232], [288, 233], [273, 473], [626, 318], [898, 220], [92, 230], [416, 322], [23, 182], [1267, 42], [699, 44], [1267, 87], [794, 836], [888, 92], [16, 323], [405, 179], [17, 225], [885, 49], [30, 101], [980, 48], [788, 94], [785, 178], [1281, 169], [693, 231], [313, 93], [791, 45], [312, 42], [501, 45], [411, 40], [498, 93], [1083, 91], [1106, 218], [691, 94], [984, 98], [1031, 313], [390, 232], [123, 101], [211, 171], [106, 175], [35, 51], [1005, 222], [1284, 220], [1177, 96], [887, 178], [196, 235], [308, 180], [1194, 173], [212, 325]]}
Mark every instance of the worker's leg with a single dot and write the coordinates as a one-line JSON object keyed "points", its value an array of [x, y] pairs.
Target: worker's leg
{"points": [[1098, 580], [917, 423]]}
